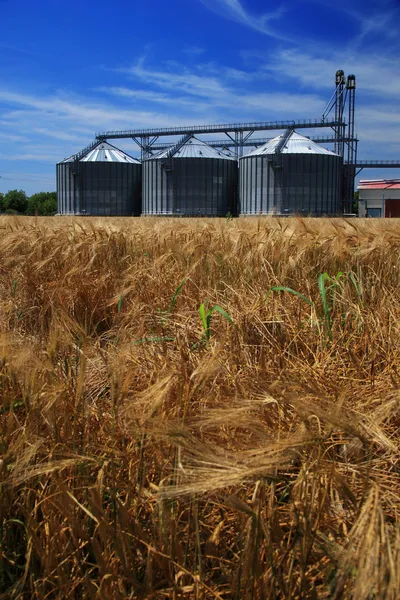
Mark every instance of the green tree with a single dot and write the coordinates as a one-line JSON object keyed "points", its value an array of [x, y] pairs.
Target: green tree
{"points": [[42, 203], [1, 202], [15, 201]]}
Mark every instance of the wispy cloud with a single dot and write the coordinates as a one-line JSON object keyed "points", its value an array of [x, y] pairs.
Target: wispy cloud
{"points": [[381, 23], [58, 135], [182, 79], [234, 10], [139, 96], [28, 156], [13, 137], [194, 51], [230, 92], [63, 111], [253, 103], [15, 177], [377, 25]]}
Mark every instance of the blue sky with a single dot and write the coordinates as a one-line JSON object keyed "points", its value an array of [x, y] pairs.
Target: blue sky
{"points": [[70, 69]]}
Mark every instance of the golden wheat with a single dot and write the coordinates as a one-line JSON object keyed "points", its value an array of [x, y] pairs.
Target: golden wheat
{"points": [[151, 448]]}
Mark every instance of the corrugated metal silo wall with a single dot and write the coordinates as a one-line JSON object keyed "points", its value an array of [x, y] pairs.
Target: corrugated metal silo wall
{"points": [[190, 187], [256, 185], [156, 181], [290, 183], [67, 192], [98, 188]]}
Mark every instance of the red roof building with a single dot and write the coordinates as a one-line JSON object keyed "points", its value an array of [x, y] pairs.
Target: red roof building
{"points": [[379, 198]]}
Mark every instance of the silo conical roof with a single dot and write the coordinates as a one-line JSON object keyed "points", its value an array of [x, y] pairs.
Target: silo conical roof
{"points": [[295, 144], [192, 148], [105, 152]]}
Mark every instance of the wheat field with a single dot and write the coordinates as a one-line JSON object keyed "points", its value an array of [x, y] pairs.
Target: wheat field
{"points": [[199, 409]]}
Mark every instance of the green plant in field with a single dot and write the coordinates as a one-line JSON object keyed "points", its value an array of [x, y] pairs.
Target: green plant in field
{"points": [[327, 287], [120, 303], [206, 317], [175, 297], [155, 339], [166, 313], [282, 288], [356, 281]]}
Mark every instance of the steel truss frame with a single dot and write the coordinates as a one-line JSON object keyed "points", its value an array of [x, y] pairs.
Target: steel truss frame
{"points": [[240, 135]]}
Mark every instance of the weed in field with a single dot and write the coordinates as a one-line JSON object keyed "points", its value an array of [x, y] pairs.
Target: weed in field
{"points": [[206, 318]]}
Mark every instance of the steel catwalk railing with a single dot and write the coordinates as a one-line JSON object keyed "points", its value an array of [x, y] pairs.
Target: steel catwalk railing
{"points": [[85, 151], [378, 164], [222, 128], [328, 139]]}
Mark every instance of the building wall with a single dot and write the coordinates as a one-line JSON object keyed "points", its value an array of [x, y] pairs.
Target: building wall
{"points": [[379, 203], [392, 207], [378, 194], [379, 207], [368, 208]]}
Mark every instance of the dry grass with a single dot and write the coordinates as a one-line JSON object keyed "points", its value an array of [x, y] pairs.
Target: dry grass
{"points": [[148, 454]]}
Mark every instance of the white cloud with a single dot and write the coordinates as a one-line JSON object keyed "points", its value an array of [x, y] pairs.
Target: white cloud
{"points": [[58, 135], [254, 103], [12, 137], [381, 134], [380, 26], [378, 75], [28, 157], [379, 131], [378, 89], [385, 113]]}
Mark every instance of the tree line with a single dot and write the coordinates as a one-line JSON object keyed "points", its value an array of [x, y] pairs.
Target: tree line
{"points": [[16, 202]]}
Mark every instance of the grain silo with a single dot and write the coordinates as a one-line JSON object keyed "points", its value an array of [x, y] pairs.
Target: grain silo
{"points": [[190, 179], [100, 180], [290, 174]]}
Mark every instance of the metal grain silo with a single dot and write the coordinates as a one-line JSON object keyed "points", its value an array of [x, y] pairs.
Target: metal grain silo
{"points": [[190, 179], [290, 174], [100, 180]]}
